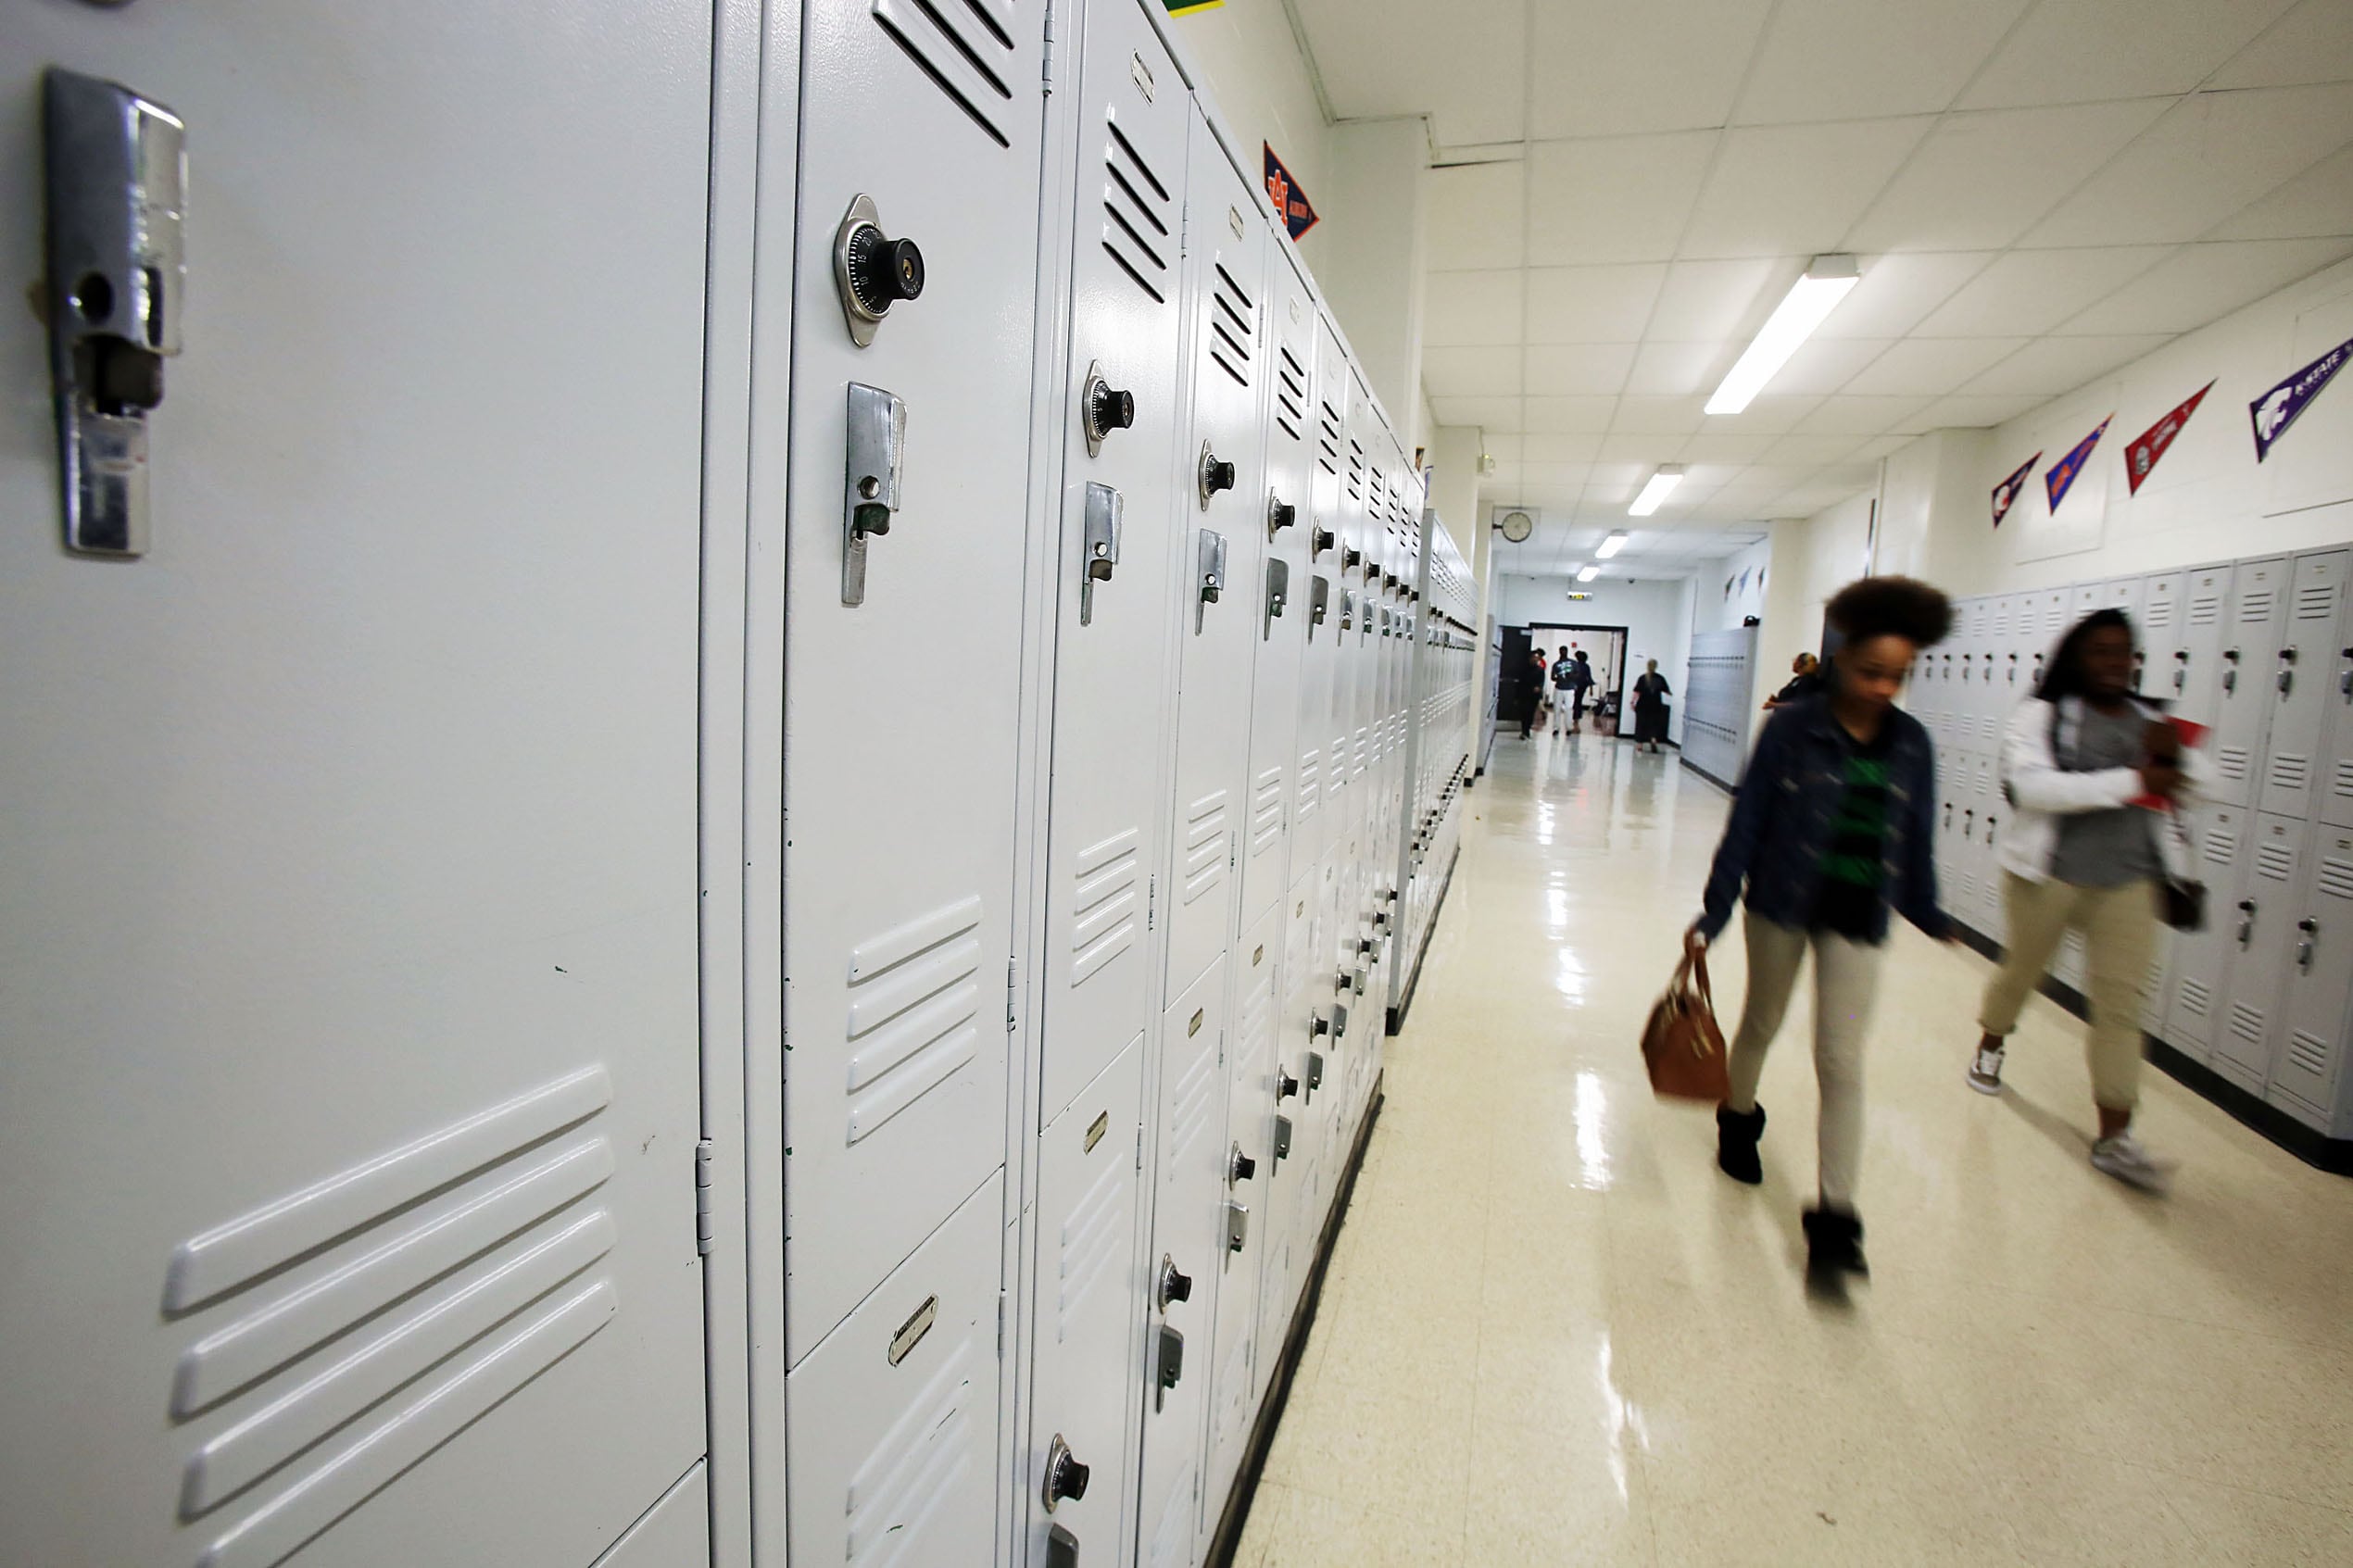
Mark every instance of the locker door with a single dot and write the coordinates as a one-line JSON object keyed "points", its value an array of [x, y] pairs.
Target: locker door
{"points": [[2320, 982], [1275, 732], [2124, 594], [2162, 674], [1321, 774], [1994, 916], [2266, 937], [2083, 598], [2047, 615], [2337, 756], [347, 951], [1288, 1174], [2155, 989], [1219, 618], [2250, 643], [1090, 1284], [1249, 1173], [1104, 829], [899, 870], [2199, 665], [1184, 1268], [2220, 836], [2301, 674]]}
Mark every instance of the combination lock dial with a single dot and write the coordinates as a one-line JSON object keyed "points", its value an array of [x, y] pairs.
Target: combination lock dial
{"points": [[1214, 473], [1320, 541], [1104, 409], [872, 271], [1066, 1478]]}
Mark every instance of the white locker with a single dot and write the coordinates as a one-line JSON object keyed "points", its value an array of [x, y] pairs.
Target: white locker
{"points": [[1322, 771], [2124, 594], [2265, 935], [2311, 1015], [1288, 1176], [1218, 619], [1123, 517], [347, 961], [2250, 641], [2038, 621], [2199, 668], [2335, 786], [1249, 1173], [899, 872], [2219, 837], [2156, 990], [2301, 677], [2162, 673]]}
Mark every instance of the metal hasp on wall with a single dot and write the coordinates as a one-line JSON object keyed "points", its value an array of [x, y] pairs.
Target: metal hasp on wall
{"points": [[117, 179], [875, 451], [1106, 509]]}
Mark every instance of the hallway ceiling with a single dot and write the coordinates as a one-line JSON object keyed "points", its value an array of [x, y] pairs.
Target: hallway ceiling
{"points": [[2038, 192]]}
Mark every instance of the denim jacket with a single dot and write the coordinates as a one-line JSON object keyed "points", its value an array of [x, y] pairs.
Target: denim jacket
{"points": [[1782, 821]]}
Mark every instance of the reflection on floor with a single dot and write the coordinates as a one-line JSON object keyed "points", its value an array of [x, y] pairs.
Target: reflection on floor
{"points": [[1554, 1334]]}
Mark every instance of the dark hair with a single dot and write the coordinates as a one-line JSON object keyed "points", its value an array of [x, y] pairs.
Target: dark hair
{"points": [[1890, 606], [2063, 676]]}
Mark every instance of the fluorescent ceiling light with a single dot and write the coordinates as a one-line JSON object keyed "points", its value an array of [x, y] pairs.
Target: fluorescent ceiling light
{"points": [[1668, 476], [1811, 300], [1611, 544], [1588, 574]]}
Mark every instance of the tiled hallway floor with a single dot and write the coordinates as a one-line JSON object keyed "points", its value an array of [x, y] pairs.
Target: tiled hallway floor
{"points": [[1554, 1334]]}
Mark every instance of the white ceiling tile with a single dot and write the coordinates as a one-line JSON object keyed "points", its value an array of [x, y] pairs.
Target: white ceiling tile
{"points": [[1771, 414], [1569, 415], [1473, 217], [1659, 416], [2317, 202], [1716, 446], [1578, 370], [1552, 480], [1611, 70], [1470, 372], [1679, 370], [1620, 198], [1614, 476], [2202, 283], [1930, 367], [1784, 190], [1845, 59], [1814, 449], [1860, 416], [2027, 291], [1552, 446], [1591, 304], [1471, 309], [2209, 156], [2313, 42], [1897, 290], [1488, 413], [2080, 51], [1976, 412], [1402, 59], [1710, 300], [1825, 364], [1979, 180], [1649, 451], [1502, 446], [2052, 365], [1883, 446]]}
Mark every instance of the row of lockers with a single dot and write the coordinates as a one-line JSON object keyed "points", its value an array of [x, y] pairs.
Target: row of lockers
{"points": [[2258, 652]]}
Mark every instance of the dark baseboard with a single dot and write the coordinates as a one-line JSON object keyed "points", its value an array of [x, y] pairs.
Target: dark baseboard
{"points": [[1396, 1018], [2306, 1142], [1236, 1516], [1720, 784]]}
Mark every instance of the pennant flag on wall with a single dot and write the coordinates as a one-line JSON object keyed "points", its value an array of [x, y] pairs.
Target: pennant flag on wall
{"points": [[2277, 409], [2142, 456], [2068, 469], [2006, 493], [1298, 215]]}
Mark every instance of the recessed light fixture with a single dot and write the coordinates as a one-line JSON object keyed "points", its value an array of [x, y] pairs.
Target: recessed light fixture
{"points": [[1588, 574], [1668, 476], [1610, 546], [1808, 303]]}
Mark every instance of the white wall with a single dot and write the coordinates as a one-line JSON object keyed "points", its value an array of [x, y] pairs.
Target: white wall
{"points": [[1251, 63], [1653, 611], [1370, 263], [1727, 592]]}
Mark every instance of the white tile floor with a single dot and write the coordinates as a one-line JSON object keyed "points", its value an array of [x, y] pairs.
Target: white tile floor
{"points": [[1554, 1334]]}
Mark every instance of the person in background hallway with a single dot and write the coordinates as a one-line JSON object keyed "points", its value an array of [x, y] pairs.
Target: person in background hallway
{"points": [[1831, 830], [1806, 680], [1561, 669], [1532, 689], [2079, 855], [1651, 692], [1581, 680]]}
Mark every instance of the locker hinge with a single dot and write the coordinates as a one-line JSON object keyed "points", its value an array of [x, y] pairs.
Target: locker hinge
{"points": [[1140, 1145], [1233, 850], [1013, 992], [1046, 71], [1152, 900], [1000, 1325], [702, 1198]]}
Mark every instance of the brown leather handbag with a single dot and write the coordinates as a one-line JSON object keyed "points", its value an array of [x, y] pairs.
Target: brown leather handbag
{"points": [[1681, 1044]]}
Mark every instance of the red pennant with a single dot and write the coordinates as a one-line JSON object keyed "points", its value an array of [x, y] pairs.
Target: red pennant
{"points": [[2142, 456]]}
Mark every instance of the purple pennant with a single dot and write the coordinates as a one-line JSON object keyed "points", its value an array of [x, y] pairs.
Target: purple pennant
{"points": [[2065, 473], [2278, 409], [2006, 493]]}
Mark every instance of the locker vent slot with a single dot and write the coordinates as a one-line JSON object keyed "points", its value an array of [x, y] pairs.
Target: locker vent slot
{"points": [[2232, 762], [1094, 1241], [1102, 903], [2315, 601], [916, 1464], [1258, 1017], [2158, 614], [2337, 877], [1328, 441], [1204, 845], [2221, 846], [2308, 1053], [401, 1280], [2275, 861], [1139, 208], [1233, 326], [1291, 393], [2255, 606], [1310, 782], [1266, 811], [958, 66], [914, 1001], [2342, 783], [1189, 1117], [2205, 610], [2246, 1022], [1355, 472], [2198, 997], [2290, 770]]}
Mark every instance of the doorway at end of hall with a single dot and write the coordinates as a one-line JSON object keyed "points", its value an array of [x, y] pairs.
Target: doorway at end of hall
{"points": [[1605, 648]]}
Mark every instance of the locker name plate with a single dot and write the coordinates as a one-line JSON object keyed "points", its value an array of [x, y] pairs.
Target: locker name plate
{"points": [[910, 1333]]}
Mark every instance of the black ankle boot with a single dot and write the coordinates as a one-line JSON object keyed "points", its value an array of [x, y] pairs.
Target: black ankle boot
{"points": [[1833, 1245], [1736, 1136]]}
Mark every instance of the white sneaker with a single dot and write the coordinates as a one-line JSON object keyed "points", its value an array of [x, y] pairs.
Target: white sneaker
{"points": [[1985, 1071], [2123, 1157]]}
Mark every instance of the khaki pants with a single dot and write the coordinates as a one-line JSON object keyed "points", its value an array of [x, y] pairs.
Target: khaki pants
{"points": [[2119, 934], [1845, 982]]}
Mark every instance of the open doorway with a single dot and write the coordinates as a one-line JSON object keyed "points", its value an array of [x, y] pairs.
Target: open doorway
{"points": [[1605, 648]]}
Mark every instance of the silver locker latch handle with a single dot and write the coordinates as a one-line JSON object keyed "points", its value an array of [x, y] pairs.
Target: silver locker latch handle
{"points": [[1106, 514], [1282, 1137], [2345, 676], [1278, 594], [1314, 1071], [118, 174], [2307, 944], [2231, 676], [1062, 1548], [1236, 1225], [2247, 921], [1169, 1364], [2287, 670], [1209, 571], [1347, 610], [874, 453], [1319, 604]]}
